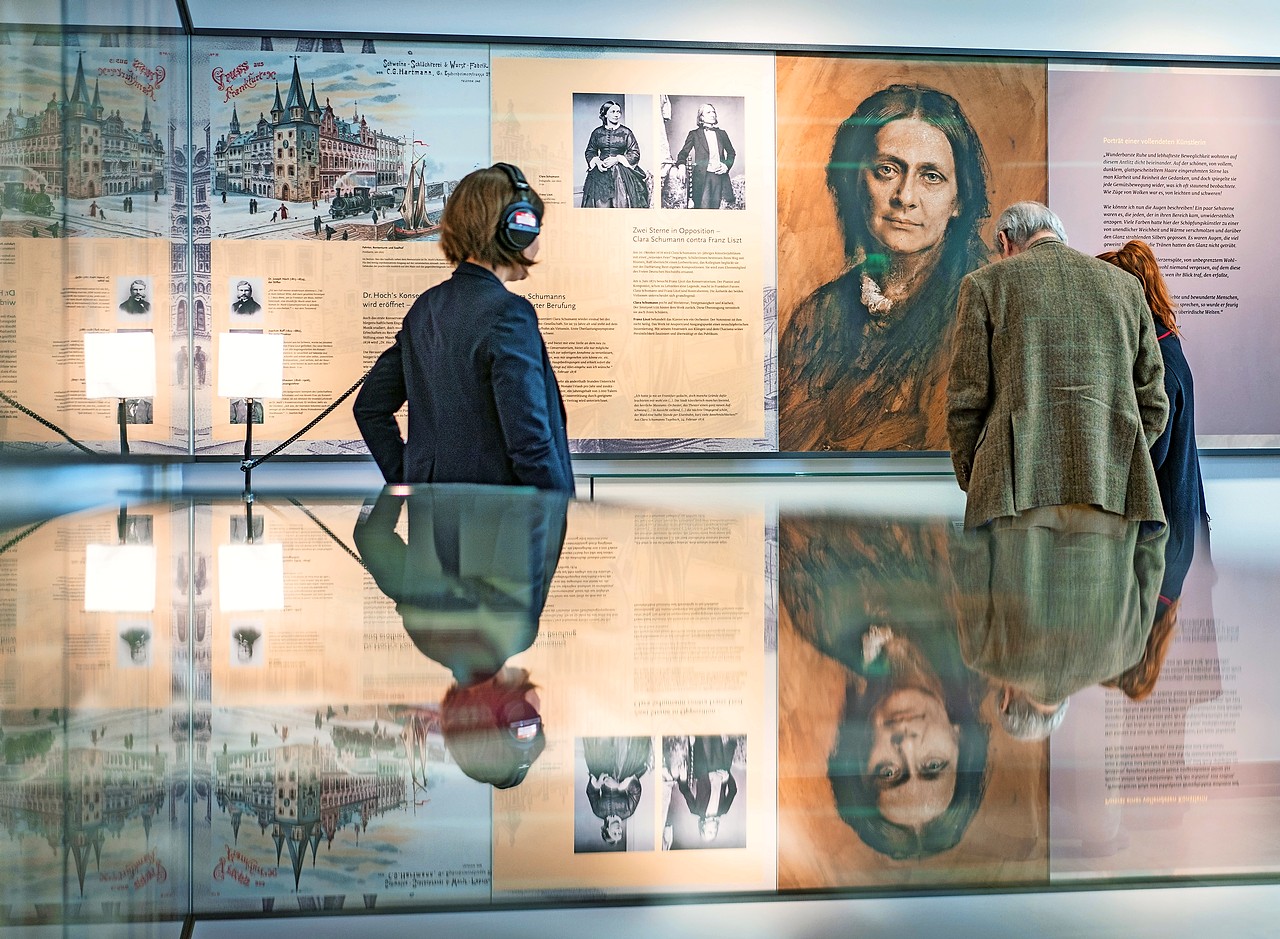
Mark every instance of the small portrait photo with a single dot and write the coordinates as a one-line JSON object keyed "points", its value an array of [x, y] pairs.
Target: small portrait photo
{"points": [[705, 801], [614, 792], [614, 133], [240, 411], [137, 529], [247, 297], [138, 411], [248, 648], [134, 650], [247, 530], [702, 168], [133, 299]]}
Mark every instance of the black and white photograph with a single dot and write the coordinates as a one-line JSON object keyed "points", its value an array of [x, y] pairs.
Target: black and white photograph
{"points": [[248, 647], [614, 134], [613, 802], [247, 299], [133, 299], [703, 167], [706, 779], [240, 411]]}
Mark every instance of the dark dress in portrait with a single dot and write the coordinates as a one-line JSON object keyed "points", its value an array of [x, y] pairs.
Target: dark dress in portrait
{"points": [[851, 380], [708, 190], [621, 186], [616, 760]]}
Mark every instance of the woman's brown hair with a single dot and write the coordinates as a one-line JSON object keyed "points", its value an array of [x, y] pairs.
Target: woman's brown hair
{"points": [[469, 226], [1137, 258]]}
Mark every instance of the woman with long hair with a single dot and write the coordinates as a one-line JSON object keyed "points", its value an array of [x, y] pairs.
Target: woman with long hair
{"points": [[865, 357]]}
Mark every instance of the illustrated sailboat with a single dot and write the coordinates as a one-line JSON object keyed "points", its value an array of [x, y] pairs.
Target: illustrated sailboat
{"points": [[414, 221]]}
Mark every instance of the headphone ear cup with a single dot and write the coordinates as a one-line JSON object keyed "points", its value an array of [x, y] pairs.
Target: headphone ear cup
{"points": [[519, 227]]}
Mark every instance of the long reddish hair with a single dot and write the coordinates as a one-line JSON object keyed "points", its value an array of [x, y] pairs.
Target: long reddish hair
{"points": [[1137, 258]]}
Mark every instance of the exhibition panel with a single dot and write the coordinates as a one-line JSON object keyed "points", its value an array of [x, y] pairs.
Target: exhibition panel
{"points": [[763, 288], [459, 697]]}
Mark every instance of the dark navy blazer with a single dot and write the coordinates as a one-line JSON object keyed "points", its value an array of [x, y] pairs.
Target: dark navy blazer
{"points": [[484, 405]]}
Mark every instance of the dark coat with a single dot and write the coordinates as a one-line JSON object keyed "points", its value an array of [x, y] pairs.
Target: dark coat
{"points": [[1056, 390], [484, 405], [697, 143], [1177, 466]]}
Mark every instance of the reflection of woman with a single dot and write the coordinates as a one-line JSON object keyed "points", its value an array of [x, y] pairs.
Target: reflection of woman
{"points": [[866, 355], [908, 768], [614, 768], [614, 178], [713, 156]]}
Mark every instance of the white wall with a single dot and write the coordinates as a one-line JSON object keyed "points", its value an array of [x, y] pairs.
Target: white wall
{"points": [[1230, 28]]}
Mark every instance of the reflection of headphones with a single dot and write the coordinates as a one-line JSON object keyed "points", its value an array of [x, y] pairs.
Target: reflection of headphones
{"points": [[520, 222]]}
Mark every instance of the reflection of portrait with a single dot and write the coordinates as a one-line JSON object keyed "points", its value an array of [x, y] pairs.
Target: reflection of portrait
{"points": [[246, 645], [244, 303], [137, 640], [614, 178], [710, 155], [240, 411], [138, 411], [909, 764], [246, 529], [469, 586], [866, 355], [136, 303], [706, 771], [616, 767], [137, 529]]}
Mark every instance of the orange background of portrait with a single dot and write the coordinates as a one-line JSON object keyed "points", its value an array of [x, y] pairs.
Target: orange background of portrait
{"points": [[1004, 100]]}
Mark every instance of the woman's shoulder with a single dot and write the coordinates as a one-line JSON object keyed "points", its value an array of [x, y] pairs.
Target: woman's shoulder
{"points": [[836, 298]]}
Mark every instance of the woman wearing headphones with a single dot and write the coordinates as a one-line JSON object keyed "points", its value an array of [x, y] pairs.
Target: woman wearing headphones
{"points": [[484, 405]]}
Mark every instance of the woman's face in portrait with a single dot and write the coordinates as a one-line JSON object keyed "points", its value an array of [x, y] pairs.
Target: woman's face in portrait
{"points": [[914, 749], [911, 186], [613, 829], [613, 115]]}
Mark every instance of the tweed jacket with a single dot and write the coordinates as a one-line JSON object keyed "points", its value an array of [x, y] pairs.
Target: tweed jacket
{"points": [[1056, 389]]}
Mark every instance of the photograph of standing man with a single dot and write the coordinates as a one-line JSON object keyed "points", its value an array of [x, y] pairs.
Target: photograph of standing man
{"points": [[1056, 390], [708, 184]]}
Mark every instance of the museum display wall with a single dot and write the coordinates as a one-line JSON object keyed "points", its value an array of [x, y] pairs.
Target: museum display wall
{"points": [[211, 235]]}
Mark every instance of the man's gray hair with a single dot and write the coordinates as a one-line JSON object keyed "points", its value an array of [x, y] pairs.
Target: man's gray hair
{"points": [[1022, 220], [1022, 721]]}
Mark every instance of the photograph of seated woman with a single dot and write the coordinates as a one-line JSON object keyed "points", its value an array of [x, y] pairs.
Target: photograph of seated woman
{"points": [[616, 768], [614, 178], [707, 181], [908, 765], [863, 360]]}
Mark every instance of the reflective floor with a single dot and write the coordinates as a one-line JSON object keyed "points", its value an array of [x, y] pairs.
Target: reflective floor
{"points": [[466, 699]]}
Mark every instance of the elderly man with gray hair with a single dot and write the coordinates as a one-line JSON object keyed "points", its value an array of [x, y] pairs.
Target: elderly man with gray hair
{"points": [[1056, 389]]}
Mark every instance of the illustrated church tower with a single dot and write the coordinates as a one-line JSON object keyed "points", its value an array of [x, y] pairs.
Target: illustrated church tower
{"points": [[82, 139], [296, 144]]}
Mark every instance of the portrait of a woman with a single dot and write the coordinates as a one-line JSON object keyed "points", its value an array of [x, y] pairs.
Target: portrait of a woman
{"points": [[615, 767], [863, 359], [614, 178]]}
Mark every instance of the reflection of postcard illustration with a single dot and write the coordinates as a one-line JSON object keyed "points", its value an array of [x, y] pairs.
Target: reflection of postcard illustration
{"points": [[345, 147], [613, 133], [703, 169], [707, 798], [134, 650], [614, 787], [118, 100]]}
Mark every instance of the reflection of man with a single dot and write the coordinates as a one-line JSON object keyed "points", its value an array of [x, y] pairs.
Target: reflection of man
{"points": [[713, 155], [708, 785], [137, 304], [244, 304], [1056, 388], [1044, 612]]}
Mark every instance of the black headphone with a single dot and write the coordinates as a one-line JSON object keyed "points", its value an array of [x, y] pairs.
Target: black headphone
{"points": [[520, 222]]}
